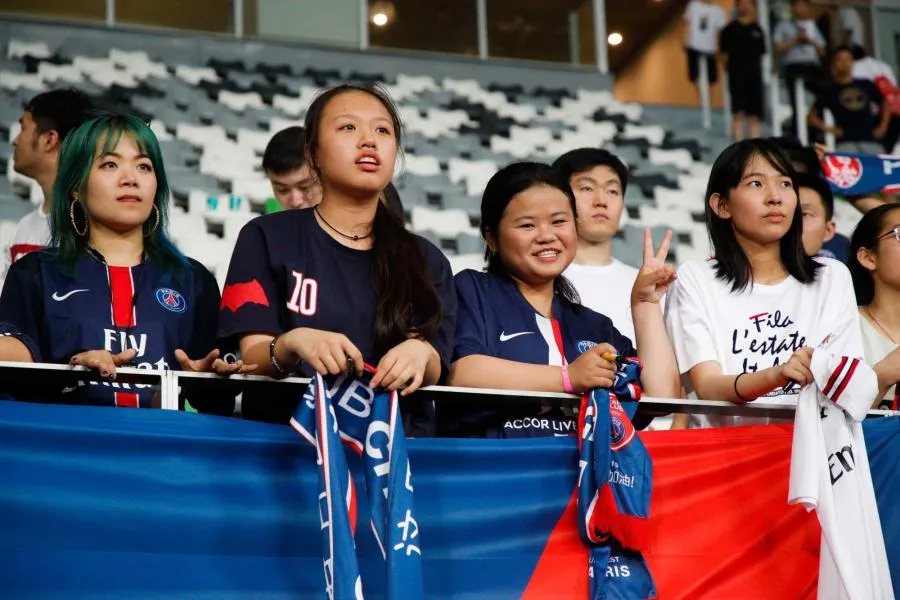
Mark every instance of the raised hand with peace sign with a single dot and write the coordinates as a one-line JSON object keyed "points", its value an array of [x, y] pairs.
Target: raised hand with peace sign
{"points": [[654, 276]]}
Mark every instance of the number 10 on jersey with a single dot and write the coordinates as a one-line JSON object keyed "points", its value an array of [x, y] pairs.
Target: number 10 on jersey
{"points": [[304, 298]]}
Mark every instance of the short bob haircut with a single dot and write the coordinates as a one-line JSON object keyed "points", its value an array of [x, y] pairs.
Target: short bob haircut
{"points": [[96, 137], [866, 236], [732, 264], [505, 184]]}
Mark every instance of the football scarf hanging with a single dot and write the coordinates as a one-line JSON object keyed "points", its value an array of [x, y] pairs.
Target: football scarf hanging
{"points": [[614, 483], [369, 422]]}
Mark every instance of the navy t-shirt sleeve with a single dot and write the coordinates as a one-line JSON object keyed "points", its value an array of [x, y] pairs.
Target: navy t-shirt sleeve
{"points": [[442, 277], [21, 304], [606, 332], [250, 297], [470, 319], [206, 312]]}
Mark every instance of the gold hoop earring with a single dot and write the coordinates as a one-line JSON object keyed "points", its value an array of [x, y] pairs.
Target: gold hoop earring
{"points": [[156, 224], [72, 218]]}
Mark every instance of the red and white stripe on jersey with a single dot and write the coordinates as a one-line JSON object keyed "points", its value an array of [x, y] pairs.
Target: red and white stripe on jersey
{"points": [[123, 313], [839, 379]]}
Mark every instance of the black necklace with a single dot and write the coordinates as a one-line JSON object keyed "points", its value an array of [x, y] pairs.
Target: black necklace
{"points": [[355, 238]]}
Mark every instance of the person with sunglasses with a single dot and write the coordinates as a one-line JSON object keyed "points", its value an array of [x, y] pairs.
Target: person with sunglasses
{"points": [[875, 268]]}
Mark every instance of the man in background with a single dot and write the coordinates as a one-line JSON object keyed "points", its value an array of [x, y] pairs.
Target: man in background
{"points": [[598, 179], [800, 47], [704, 19], [861, 116], [744, 44], [46, 121], [294, 184]]}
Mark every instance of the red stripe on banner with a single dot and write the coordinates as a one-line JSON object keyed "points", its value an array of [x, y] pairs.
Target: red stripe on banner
{"points": [[834, 375], [845, 380], [126, 399], [720, 525], [562, 570], [122, 293]]}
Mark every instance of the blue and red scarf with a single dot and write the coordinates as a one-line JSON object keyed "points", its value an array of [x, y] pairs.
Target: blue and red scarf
{"points": [[614, 484], [861, 174], [368, 421]]}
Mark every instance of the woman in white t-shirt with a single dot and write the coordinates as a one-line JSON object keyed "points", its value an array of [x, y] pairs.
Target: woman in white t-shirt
{"points": [[875, 267], [743, 324]]}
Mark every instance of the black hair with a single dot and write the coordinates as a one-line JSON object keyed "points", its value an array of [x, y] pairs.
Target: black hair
{"points": [[61, 110], [732, 264], [821, 187], [866, 236], [285, 151], [514, 179], [584, 159], [859, 52], [838, 49], [407, 304], [803, 158], [393, 202]]}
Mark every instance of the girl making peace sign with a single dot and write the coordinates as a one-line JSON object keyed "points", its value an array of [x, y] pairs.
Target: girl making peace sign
{"points": [[520, 325]]}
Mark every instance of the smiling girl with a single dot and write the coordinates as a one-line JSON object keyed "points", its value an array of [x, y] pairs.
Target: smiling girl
{"points": [[521, 325], [324, 289], [743, 323], [113, 290]]}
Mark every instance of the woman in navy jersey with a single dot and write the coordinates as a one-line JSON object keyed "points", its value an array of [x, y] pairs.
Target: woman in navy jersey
{"points": [[328, 288], [520, 324], [112, 290]]}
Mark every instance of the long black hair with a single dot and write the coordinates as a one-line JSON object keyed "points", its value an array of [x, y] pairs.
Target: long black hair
{"points": [[866, 236], [407, 304], [500, 189], [732, 264]]}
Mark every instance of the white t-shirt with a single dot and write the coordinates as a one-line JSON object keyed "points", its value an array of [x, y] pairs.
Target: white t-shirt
{"points": [[607, 290], [32, 233], [875, 346], [759, 327], [801, 54], [704, 21], [872, 69]]}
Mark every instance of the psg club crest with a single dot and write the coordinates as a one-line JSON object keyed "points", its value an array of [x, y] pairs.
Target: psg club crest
{"points": [[585, 345], [621, 431], [171, 300], [842, 171]]}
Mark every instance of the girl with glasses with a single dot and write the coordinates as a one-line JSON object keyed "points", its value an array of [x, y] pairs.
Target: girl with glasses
{"points": [[875, 268]]}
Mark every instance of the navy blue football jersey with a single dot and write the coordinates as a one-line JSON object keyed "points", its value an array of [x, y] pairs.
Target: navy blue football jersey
{"points": [[58, 312], [287, 272], [496, 320]]}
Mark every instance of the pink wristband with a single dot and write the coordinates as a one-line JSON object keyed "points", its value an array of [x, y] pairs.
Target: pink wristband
{"points": [[567, 383]]}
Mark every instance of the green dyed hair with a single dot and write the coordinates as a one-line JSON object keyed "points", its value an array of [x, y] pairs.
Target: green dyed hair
{"points": [[96, 137]]}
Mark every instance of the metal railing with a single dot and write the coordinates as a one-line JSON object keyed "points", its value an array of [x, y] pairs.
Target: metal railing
{"points": [[171, 383]]}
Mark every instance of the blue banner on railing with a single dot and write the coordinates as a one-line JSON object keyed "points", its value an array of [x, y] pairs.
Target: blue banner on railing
{"points": [[105, 502]]}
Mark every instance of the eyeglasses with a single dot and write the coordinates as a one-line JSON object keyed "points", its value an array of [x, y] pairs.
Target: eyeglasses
{"points": [[895, 233]]}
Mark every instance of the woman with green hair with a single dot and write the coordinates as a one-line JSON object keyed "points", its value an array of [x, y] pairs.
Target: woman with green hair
{"points": [[112, 289]]}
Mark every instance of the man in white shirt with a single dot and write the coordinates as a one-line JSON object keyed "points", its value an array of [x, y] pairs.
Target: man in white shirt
{"points": [[882, 75], [800, 46], [598, 179], [46, 121], [704, 19]]}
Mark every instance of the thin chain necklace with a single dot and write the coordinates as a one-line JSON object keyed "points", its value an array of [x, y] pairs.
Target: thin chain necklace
{"points": [[880, 326], [354, 238]]}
